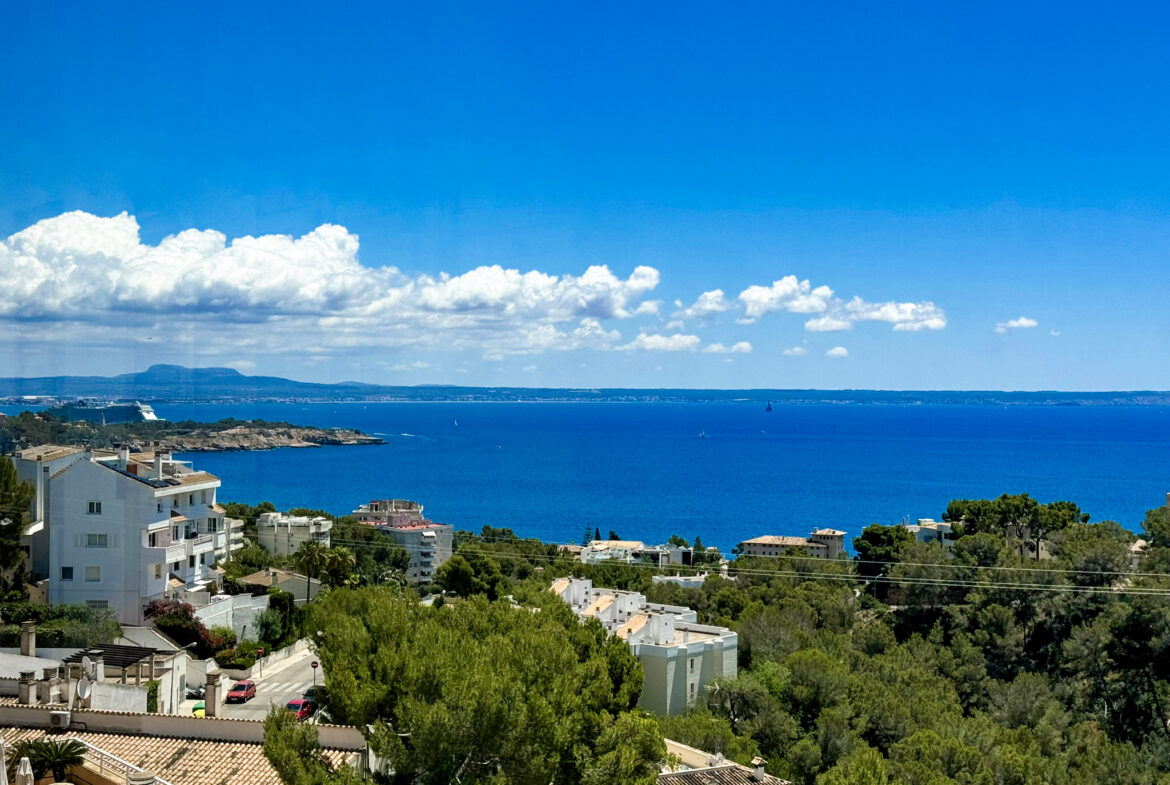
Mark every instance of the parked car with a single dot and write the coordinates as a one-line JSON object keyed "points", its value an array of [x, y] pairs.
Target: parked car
{"points": [[314, 694], [242, 691], [302, 708], [196, 693]]}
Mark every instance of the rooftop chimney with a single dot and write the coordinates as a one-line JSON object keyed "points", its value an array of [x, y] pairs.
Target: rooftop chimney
{"points": [[759, 764], [158, 461], [28, 639], [123, 456]]}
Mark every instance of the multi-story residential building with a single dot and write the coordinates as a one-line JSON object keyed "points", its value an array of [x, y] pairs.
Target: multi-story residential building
{"points": [[825, 543], [428, 543], [390, 512], [283, 534], [115, 530], [679, 656]]}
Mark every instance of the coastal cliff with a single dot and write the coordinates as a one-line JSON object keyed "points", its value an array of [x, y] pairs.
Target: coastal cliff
{"points": [[252, 437], [28, 429]]}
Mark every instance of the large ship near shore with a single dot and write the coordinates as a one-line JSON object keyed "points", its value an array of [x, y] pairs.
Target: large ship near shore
{"points": [[104, 412]]}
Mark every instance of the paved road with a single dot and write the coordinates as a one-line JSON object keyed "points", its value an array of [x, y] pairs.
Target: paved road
{"points": [[276, 685]]}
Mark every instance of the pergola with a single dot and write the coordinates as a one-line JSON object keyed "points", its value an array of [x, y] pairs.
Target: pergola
{"points": [[123, 658]]}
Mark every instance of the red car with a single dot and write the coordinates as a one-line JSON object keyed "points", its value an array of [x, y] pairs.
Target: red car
{"points": [[302, 708], [242, 691]]}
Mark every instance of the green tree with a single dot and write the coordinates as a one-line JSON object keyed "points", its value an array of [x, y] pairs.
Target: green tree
{"points": [[15, 504], [878, 547], [311, 558], [479, 692], [51, 756], [629, 751], [293, 750]]}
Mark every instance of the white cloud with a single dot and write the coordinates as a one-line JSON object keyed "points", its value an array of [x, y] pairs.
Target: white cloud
{"points": [[417, 365], [795, 351], [797, 296], [1016, 324], [528, 368], [785, 294], [94, 276], [707, 304], [904, 316], [825, 324], [743, 347], [678, 342], [243, 366], [837, 352], [1054, 333]]}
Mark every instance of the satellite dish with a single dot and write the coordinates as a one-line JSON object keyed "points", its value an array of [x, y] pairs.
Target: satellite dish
{"points": [[84, 688], [86, 665]]}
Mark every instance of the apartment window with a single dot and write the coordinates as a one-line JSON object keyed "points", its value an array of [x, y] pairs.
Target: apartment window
{"points": [[160, 506], [152, 538], [203, 497], [94, 508], [175, 567], [98, 605], [213, 524], [97, 541], [692, 690], [93, 574], [692, 664], [157, 571], [191, 560], [66, 573], [190, 498], [203, 558], [175, 533]]}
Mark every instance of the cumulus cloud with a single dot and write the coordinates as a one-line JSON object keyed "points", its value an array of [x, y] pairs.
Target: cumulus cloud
{"points": [[825, 324], [707, 304], [743, 347], [310, 293], [786, 294], [678, 342], [1021, 323], [1054, 333], [837, 352], [800, 296], [795, 351]]}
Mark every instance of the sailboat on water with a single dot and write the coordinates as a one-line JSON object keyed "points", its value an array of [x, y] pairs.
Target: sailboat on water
{"points": [[768, 408], [703, 434]]}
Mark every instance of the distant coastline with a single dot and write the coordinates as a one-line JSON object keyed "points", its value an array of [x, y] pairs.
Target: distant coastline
{"points": [[178, 384]]}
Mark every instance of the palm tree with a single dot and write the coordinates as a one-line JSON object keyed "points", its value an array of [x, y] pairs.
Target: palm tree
{"points": [[57, 757], [311, 557], [341, 562]]}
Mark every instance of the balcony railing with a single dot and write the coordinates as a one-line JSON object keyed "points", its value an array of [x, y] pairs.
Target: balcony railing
{"points": [[112, 767]]}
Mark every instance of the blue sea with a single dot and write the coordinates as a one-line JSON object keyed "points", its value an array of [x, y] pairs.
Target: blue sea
{"points": [[553, 470]]}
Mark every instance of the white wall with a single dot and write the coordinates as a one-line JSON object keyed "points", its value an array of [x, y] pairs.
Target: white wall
{"points": [[238, 612]]}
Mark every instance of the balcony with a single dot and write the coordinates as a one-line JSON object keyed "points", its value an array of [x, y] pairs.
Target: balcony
{"points": [[176, 552], [200, 544]]}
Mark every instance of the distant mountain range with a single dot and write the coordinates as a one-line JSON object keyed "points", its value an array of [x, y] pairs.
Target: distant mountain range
{"points": [[177, 383]]}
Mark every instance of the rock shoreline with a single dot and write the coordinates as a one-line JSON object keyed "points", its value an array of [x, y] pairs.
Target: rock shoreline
{"points": [[244, 438]]}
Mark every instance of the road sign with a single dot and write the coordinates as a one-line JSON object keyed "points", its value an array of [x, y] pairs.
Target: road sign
{"points": [[313, 664]]}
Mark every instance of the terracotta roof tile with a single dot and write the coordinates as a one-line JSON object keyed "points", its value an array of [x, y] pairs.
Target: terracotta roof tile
{"points": [[182, 761]]}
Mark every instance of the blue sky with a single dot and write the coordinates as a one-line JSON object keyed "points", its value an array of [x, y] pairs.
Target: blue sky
{"points": [[963, 172]]}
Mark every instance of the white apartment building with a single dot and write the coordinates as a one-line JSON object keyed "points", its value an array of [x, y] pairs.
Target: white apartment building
{"points": [[283, 534], [598, 551], [116, 530], [428, 543], [679, 656]]}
